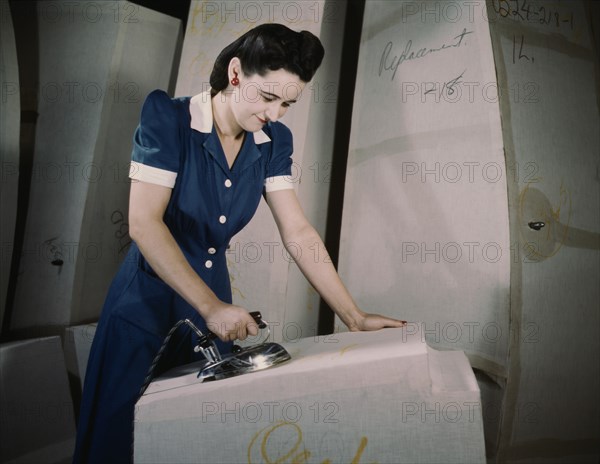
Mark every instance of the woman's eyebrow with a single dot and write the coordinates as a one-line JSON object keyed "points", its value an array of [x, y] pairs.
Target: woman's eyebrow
{"points": [[264, 92]]}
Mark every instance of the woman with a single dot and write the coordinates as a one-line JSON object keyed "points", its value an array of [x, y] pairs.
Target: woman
{"points": [[200, 166]]}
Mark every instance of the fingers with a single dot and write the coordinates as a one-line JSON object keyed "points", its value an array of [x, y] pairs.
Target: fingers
{"points": [[241, 332], [233, 323], [376, 322], [230, 333], [245, 328], [252, 328], [395, 323]]}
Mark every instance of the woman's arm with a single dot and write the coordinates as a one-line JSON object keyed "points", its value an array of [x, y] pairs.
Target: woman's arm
{"points": [[147, 205], [295, 229]]}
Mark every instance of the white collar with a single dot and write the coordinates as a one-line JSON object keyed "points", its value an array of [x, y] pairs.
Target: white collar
{"points": [[202, 117]]}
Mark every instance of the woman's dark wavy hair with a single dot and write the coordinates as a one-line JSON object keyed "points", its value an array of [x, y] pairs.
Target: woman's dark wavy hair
{"points": [[270, 47]]}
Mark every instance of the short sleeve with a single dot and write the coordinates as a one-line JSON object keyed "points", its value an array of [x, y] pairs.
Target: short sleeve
{"points": [[156, 146], [279, 168]]}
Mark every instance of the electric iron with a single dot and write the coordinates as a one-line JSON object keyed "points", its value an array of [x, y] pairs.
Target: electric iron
{"points": [[240, 360]]}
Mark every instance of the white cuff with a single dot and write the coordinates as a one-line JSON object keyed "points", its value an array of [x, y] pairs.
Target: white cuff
{"points": [[152, 175], [272, 184]]}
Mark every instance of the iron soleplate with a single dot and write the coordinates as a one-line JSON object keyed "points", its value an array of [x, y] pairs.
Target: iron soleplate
{"points": [[250, 359]]}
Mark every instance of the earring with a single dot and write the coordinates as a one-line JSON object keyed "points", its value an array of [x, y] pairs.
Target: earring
{"points": [[235, 80]]}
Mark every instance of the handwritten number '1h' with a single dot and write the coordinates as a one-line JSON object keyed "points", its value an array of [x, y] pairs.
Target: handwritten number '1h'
{"points": [[521, 54]]}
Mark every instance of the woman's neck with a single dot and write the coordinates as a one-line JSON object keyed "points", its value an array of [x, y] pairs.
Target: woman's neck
{"points": [[225, 124]]}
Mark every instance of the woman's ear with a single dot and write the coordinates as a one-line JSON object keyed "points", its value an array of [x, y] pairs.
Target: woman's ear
{"points": [[235, 68]]}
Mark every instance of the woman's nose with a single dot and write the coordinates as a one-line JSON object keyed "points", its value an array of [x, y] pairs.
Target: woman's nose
{"points": [[275, 111], [272, 113]]}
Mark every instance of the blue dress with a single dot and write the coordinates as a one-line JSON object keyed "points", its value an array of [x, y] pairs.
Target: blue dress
{"points": [[175, 145]]}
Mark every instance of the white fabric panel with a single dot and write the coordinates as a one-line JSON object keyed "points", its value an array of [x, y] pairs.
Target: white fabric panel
{"points": [[37, 422], [353, 397], [425, 222], [10, 116], [262, 273], [551, 122], [77, 345], [105, 221], [312, 171], [69, 107], [97, 63]]}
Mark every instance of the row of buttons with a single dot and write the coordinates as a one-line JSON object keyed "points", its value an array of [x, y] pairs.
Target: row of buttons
{"points": [[222, 220], [209, 263]]}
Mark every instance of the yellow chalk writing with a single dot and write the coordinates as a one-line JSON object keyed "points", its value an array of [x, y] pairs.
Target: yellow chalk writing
{"points": [[283, 443]]}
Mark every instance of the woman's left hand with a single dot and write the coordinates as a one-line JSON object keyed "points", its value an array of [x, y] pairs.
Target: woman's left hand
{"points": [[295, 229], [368, 321]]}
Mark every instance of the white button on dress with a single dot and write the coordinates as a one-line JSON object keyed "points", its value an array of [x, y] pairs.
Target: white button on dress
{"points": [[208, 264], [212, 251], [228, 183], [222, 219]]}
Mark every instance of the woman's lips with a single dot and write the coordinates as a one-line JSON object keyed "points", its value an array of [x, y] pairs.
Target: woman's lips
{"points": [[263, 121]]}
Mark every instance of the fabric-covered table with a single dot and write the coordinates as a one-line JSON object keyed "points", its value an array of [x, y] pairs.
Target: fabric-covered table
{"points": [[360, 397]]}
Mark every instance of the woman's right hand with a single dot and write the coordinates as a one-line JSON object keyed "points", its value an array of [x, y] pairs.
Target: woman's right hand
{"points": [[230, 322], [147, 206]]}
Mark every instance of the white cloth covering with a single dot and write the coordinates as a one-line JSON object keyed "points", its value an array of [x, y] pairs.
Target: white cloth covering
{"points": [[380, 396]]}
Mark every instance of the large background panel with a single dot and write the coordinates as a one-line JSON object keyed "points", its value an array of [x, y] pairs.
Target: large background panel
{"points": [[9, 148], [97, 61], [551, 128], [501, 261], [263, 274], [425, 222]]}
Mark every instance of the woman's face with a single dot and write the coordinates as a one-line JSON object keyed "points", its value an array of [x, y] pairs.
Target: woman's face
{"points": [[259, 99]]}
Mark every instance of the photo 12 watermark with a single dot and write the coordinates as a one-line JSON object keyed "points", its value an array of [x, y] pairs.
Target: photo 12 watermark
{"points": [[450, 252], [327, 412], [90, 12], [471, 333], [468, 172], [74, 92], [254, 12]]}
